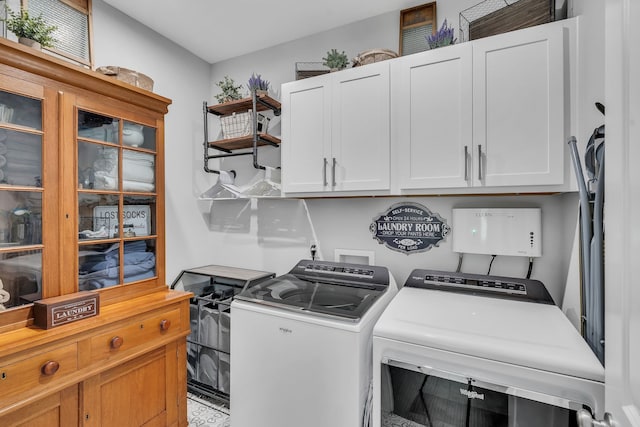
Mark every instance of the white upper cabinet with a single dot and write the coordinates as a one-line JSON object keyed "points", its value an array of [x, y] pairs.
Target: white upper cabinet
{"points": [[488, 116], [360, 129], [306, 130], [432, 125], [335, 132], [519, 108]]}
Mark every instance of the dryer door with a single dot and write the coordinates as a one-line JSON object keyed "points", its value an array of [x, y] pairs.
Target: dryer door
{"points": [[418, 396]]}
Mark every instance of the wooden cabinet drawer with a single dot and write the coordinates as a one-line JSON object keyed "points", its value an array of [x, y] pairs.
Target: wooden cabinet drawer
{"points": [[140, 332], [20, 376]]}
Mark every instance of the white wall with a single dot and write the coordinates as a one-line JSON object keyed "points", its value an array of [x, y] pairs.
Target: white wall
{"points": [[273, 235], [184, 78]]}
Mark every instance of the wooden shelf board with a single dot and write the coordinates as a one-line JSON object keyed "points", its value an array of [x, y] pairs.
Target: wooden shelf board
{"points": [[244, 142], [242, 105]]}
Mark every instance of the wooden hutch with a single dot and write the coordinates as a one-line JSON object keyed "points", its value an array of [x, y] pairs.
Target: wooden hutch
{"points": [[82, 209]]}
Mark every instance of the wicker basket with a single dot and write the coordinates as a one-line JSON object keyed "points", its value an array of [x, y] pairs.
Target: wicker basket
{"points": [[241, 124], [128, 76], [236, 125], [373, 55]]}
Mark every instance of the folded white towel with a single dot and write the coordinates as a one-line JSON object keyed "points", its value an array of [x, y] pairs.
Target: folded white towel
{"points": [[104, 182], [138, 186], [138, 156], [134, 172]]}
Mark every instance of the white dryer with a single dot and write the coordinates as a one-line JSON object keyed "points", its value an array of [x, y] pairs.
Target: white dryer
{"points": [[457, 350], [301, 345]]}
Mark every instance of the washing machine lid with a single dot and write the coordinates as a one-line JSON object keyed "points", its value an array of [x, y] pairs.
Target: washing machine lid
{"points": [[338, 290], [522, 333]]}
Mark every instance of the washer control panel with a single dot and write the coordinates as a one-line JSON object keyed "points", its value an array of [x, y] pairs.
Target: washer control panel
{"points": [[489, 283], [343, 273], [477, 284]]}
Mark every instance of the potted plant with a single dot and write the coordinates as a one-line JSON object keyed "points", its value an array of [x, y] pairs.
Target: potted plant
{"points": [[444, 37], [30, 31], [335, 60], [230, 92], [257, 84]]}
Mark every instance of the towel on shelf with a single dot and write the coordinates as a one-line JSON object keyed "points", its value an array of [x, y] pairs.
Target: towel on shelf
{"points": [[101, 269], [138, 186], [105, 168], [138, 166], [136, 172], [103, 181]]}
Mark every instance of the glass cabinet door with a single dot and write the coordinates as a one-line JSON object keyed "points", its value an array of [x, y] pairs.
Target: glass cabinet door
{"points": [[116, 201], [21, 199]]}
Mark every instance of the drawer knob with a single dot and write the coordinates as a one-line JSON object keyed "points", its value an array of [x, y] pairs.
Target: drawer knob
{"points": [[116, 342], [165, 324], [50, 368]]}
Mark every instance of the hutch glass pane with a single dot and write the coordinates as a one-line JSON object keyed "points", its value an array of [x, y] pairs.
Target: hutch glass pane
{"points": [[139, 216], [98, 266], [20, 110], [20, 218], [136, 135], [20, 158], [98, 127], [139, 260], [98, 216], [20, 278], [97, 166], [138, 171]]}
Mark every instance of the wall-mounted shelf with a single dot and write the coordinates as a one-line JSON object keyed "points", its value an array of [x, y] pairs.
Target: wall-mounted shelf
{"points": [[230, 144], [253, 104], [264, 102]]}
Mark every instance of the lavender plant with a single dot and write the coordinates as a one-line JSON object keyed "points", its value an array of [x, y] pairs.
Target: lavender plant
{"points": [[444, 37], [256, 83]]}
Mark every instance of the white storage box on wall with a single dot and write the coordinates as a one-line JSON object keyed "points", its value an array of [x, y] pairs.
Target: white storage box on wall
{"points": [[514, 231]]}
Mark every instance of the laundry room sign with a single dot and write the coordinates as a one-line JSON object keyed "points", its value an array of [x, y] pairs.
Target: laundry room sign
{"points": [[409, 228]]}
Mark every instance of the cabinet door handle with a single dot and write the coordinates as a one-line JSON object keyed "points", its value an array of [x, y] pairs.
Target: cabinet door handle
{"points": [[466, 163], [324, 172], [165, 324], [116, 342], [333, 172], [480, 162], [50, 368]]}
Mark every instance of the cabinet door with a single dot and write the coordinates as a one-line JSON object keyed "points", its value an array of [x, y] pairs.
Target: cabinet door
{"points": [[115, 236], [432, 121], [57, 409], [518, 107], [360, 129], [28, 193], [130, 395], [306, 135]]}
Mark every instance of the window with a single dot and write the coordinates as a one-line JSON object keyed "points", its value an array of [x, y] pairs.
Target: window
{"points": [[73, 19], [415, 24]]}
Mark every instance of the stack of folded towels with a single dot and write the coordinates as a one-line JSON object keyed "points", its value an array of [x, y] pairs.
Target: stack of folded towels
{"points": [[138, 171], [101, 269]]}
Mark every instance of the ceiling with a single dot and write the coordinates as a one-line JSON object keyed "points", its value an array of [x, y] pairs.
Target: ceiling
{"points": [[215, 30]]}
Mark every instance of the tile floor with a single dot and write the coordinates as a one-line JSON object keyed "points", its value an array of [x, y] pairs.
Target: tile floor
{"points": [[202, 412]]}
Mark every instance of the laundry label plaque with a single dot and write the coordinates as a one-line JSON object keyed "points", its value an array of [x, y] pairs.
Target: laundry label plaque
{"points": [[409, 228]]}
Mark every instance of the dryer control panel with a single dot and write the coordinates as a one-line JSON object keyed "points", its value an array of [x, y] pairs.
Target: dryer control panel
{"points": [[478, 284]]}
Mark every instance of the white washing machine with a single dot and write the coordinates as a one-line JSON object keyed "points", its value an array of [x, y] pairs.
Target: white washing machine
{"points": [[455, 350], [301, 345]]}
